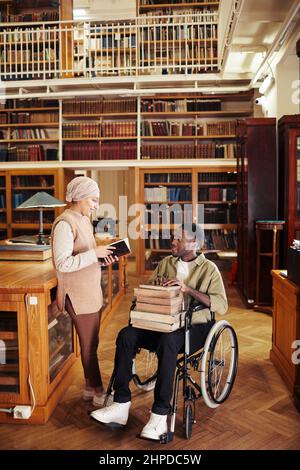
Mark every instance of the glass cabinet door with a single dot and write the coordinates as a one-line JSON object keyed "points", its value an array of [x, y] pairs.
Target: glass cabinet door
{"points": [[9, 352], [105, 286], [60, 332], [297, 192], [115, 279]]}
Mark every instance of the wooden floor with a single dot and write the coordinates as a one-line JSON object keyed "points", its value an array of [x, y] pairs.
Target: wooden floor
{"points": [[259, 414]]}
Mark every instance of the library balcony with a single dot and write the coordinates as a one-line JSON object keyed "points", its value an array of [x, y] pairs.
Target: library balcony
{"points": [[93, 52]]}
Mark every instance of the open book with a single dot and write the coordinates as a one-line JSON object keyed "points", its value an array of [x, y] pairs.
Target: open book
{"points": [[122, 248]]}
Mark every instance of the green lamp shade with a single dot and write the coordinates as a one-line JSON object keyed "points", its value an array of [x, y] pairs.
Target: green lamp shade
{"points": [[41, 199]]}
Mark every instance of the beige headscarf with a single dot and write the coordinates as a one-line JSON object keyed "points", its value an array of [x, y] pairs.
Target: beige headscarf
{"points": [[80, 188]]}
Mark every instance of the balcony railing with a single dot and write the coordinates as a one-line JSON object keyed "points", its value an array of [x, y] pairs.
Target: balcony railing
{"points": [[156, 45]]}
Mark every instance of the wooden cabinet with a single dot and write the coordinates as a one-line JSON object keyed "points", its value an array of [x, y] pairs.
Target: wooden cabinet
{"points": [[174, 196], [37, 342], [289, 179], [256, 197], [285, 331]]}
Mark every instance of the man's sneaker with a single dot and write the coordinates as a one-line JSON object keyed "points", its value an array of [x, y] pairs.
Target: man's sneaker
{"points": [[98, 400], [156, 426], [115, 415]]}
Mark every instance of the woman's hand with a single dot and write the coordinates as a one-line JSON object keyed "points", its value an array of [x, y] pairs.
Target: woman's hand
{"points": [[176, 282], [104, 251], [109, 260]]}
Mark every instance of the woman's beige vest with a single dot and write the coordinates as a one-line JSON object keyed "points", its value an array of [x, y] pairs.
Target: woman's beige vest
{"points": [[83, 286]]}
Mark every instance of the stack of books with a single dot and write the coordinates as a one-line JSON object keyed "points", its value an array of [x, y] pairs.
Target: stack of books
{"points": [[158, 308]]}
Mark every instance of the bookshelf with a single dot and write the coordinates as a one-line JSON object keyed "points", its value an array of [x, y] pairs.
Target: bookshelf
{"points": [[29, 130], [39, 46], [186, 194], [100, 129], [189, 126], [22, 184], [163, 6]]}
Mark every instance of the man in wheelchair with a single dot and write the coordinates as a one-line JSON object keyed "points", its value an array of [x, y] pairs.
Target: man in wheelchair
{"points": [[200, 280]]}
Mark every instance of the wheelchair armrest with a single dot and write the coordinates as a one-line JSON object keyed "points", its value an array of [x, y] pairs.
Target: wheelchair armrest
{"points": [[194, 307]]}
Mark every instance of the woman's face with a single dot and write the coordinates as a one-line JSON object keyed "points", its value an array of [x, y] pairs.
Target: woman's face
{"points": [[88, 205]]}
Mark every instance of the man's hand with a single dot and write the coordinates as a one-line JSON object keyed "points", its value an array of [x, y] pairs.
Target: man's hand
{"points": [[176, 282]]}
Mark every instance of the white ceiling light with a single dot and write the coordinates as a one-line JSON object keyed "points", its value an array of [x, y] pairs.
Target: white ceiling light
{"points": [[268, 81]]}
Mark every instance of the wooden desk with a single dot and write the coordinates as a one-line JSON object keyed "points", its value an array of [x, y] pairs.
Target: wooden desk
{"points": [[285, 330]]}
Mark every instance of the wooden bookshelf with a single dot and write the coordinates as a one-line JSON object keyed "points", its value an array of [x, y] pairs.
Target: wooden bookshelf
{"points": [[182, 186], [22, 184]]}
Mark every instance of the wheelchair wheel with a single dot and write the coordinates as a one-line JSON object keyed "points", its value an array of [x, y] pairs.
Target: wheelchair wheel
{"points": [[188, 420], [219, 364], [144, 370]]}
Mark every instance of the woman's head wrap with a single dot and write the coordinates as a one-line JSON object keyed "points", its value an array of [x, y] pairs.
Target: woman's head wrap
{"points": [[80, 188]]}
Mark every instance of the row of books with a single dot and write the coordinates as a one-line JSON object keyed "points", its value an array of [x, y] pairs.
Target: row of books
{"points": [[2, 201], [29, 17], [42, 181], [124, 150], [31, 217], [19, 118], [96, 129], [170, 128], [99, 106], [29, 153], [168, 178], [10, 55], [172, 2], [217, 194], [21, 36], [221, 128], [177, 54], [206, 15], [28, 103], [221, 239], [86, 129], [180, 105], [214, 177], [164, 194], [31, 133], [112, 41], [178, 32], [220, 215], [167, 151], [213, 150]]}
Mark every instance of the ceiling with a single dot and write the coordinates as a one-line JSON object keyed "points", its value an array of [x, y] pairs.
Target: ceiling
{"points": [[251, 34]]}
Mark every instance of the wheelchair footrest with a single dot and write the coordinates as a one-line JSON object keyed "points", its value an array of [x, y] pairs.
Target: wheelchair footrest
{"points": [[166, 437]]}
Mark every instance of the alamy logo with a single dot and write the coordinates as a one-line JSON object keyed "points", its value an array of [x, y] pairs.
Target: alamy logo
{"points": [[296, 93], [2, 93], [296, 354]]}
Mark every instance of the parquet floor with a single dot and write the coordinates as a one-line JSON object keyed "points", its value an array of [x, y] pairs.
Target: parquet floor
{"points": [[258, 415]]}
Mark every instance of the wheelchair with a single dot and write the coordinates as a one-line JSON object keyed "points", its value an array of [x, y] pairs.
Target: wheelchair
{"points": [[209, 373]]}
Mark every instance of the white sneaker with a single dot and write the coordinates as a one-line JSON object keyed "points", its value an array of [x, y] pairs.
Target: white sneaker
{"points": [[99, 400], [156, 426], [115, 415]]}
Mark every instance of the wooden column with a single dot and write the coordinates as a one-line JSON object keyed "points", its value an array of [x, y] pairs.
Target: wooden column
{"points": [[66, 13]]}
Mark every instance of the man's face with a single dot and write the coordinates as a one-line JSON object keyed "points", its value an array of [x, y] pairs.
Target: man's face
{"points": [[183, 244]]}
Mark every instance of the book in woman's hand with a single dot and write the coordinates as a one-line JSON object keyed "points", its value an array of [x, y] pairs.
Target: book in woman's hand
{"points": [[122, 248]]}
